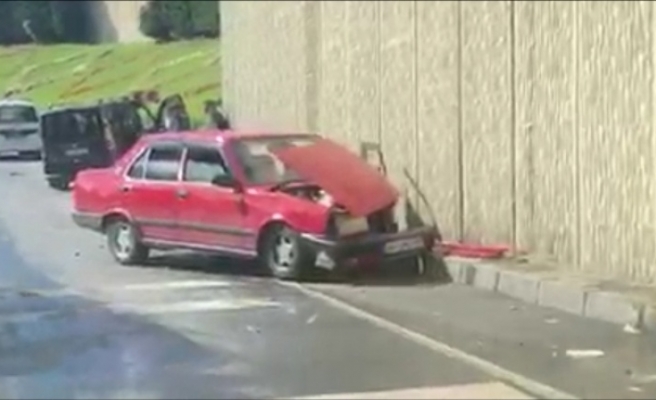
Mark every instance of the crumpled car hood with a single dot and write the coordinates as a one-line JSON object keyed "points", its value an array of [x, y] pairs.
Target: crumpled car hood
{"points": [[354, 184]]}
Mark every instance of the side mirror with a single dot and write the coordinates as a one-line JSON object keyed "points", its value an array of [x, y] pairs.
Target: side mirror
{"points": [[227, 181]]}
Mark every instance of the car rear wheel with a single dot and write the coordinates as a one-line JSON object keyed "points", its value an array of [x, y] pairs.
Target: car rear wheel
{"points": [[123, 242], [284, 255]]}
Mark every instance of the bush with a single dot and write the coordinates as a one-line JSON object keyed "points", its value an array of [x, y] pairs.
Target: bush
{"points": [[205, 18], [30, 21], [153, 22], [165, 20], [71, 20]]}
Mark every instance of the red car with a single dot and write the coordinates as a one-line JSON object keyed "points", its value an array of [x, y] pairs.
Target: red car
{"points": [[295, 201]]}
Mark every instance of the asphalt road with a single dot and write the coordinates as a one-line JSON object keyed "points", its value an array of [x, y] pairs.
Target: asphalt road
{"points": [[73, 324]]}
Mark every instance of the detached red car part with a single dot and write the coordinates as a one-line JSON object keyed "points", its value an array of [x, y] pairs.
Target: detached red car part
{"points": [[293, 201], [469, 250]]}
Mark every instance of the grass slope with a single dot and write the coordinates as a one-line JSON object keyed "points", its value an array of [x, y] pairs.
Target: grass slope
{"points": [[69, 74]]}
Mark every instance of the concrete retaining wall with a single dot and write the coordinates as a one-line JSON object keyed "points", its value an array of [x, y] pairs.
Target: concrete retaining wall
{"points": [[117, 21], [523, 122]]}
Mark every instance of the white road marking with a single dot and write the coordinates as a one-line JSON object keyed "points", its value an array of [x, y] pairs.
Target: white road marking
{"points": [[27, 316], [194, 306], [522, 382], [173, 285], [491, 390], [131, 287]]}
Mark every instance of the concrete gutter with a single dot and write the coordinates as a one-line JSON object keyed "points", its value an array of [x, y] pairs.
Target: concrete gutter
{"points": [[551, 291]]}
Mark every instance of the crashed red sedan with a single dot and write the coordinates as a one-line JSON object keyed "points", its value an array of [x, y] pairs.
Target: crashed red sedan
{"points": [[295, 201]]}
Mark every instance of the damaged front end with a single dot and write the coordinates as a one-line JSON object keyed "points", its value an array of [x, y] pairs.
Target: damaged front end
{"points": [[352, 241], [361, 227]]}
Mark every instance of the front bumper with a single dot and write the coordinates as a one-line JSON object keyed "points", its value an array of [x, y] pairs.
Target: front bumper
{"points": [[370, 247]]}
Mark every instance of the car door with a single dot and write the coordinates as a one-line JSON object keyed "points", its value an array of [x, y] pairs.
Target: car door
{"points": [[150, 191], [210, 216]]}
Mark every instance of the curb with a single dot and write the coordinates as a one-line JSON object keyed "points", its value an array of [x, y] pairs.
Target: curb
{"points": [[590, 303]]}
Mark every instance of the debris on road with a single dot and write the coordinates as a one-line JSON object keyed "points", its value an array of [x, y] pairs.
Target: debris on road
{"points": [[584, 353], [643, 379], [628, 328], [311, 320]]}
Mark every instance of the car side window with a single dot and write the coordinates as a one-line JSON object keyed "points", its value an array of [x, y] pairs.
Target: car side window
{"points": [[164, 163], [138, 167], [204, 164]]}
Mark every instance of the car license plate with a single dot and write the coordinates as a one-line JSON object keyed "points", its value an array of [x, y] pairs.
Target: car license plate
{"points": [[401, 245], [76, 152]]}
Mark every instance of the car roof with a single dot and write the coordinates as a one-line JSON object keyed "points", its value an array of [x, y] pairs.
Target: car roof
{"points": [[16, 102], [215, 135]]}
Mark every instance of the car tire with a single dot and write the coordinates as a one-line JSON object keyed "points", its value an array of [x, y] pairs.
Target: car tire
{"points": [[284, 256], [124, 244], [427, 267], [59, 183]]}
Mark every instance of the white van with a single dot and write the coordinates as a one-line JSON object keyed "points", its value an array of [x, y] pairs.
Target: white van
{"points": [[19, 129]]}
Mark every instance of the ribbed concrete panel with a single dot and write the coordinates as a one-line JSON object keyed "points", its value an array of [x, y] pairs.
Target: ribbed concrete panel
{"points": [[397, 88], [438, 113], [546, 134], [487, 129], [333, 104], [615, 93], [363, 55]]}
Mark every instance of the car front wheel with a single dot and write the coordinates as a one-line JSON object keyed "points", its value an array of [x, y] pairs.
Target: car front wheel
{"points": [[284, 255], [123, 242]]}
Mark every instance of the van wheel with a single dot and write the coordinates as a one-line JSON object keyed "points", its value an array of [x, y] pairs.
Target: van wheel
{"points": [[284, 255], [59, 183], [123, 242]]}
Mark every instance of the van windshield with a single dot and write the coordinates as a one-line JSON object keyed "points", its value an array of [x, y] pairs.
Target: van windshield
{"points": [[17, 114]]}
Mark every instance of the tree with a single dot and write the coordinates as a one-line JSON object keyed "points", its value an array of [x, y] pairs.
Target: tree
{"points": [[37, 16], [153, 22], [205, 18], [178, 14], [168, 19], [71, 20]]}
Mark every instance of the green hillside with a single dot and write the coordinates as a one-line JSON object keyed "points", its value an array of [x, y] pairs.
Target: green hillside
{"points": [[77, 73]]}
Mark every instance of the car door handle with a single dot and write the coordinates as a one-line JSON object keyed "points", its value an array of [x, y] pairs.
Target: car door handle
{"points": [[125, 188], [182, 193]]}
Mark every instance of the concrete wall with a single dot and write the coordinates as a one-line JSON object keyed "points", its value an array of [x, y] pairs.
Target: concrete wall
{"points": [[530, 123], [117, 21]]}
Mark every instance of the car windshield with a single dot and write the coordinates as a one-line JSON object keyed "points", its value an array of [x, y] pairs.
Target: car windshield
{"points": [[17, 114], [261, 165]]}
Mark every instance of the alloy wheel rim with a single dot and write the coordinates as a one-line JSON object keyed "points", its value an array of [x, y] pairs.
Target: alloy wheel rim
{"points": [[284, 252], [123, 241]]}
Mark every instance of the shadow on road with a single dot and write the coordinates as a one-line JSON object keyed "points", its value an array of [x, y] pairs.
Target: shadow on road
{"points": [[205, 263], [390, 274]]}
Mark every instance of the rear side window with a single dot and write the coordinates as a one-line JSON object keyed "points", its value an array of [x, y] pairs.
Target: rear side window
{"points": [[73, 125], [164, 163]]}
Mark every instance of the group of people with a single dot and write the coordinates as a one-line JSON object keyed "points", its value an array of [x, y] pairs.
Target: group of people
{"points": [[215, 116], [176, 118]]}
